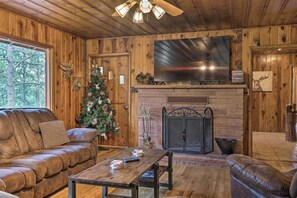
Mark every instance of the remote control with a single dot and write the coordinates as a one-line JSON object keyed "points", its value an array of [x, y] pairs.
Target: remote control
{"points": [[130, 159]]}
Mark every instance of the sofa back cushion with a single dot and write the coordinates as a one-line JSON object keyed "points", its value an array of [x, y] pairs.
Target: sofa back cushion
{"points": [[31, 127], [8, 144]]}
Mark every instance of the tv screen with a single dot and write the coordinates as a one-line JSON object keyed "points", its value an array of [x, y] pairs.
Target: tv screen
{"points": [[198, 59]]}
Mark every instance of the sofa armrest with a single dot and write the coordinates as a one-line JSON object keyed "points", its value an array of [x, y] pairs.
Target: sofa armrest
{"points": [[82, 134], [258, 175]]}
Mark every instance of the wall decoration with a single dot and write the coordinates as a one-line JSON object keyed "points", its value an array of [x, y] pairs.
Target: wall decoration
{"points": [[76, 83], [67, 69], [262, 80]]}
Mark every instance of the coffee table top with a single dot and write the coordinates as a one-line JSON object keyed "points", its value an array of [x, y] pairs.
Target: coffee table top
{"points": [[102, 174]]}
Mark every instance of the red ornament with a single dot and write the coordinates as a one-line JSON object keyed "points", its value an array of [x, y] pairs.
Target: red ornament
{"points": [[89, 85], [104, 107]]}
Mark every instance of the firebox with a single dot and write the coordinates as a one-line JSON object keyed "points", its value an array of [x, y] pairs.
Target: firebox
{"points": [[186, 130]]}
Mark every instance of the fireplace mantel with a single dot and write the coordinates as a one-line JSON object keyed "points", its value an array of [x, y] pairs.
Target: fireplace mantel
{"points": [[226, 101], [218, 86]]}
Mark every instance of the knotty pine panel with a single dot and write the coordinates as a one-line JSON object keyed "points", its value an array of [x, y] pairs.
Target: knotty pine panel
{"points": [[65, 102]]}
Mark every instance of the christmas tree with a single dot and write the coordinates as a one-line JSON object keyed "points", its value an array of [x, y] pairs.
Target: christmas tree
{"points": [[97, 111]]}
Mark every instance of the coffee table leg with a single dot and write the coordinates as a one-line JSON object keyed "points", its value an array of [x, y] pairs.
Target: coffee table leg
{"points": [[156, 181], [104, 191], [170, 170], [71, 189], [134, 191]]}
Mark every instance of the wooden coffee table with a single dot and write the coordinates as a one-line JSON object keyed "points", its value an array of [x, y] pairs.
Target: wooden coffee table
{"points": [[130, 177]]}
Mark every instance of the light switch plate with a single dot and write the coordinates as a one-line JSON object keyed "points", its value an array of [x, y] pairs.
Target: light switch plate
{"points": [[122, 79]]}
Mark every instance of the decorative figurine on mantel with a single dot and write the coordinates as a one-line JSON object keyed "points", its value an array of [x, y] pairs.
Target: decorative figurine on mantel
{"points": [[146, 127]]}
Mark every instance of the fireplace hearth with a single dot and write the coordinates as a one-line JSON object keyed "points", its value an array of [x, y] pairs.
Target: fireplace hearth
{"points": [[185, 130]]}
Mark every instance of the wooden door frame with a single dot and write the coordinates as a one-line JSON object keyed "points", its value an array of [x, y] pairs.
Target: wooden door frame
{"points": [[129, 82], [250, 86]]}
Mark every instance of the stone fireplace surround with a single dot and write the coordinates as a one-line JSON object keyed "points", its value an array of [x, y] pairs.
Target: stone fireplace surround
{"points": [[226, 101]]}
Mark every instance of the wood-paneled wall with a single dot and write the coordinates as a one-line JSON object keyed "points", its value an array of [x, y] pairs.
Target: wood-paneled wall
{"points": [[63, 47], [268, 108], [141, 49], [266, 37]]}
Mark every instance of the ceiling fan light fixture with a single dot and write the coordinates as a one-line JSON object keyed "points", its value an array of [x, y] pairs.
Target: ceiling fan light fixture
{"points": [[145, 6], [138, 16], [123, 9], [158, 11]]}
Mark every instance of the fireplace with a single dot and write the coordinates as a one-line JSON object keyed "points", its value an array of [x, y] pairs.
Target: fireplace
{"points": [[187, 131]]}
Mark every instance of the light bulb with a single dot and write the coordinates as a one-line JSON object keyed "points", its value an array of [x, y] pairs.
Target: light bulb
{"points": [[158, 11], [145, 6], [138, 16]]}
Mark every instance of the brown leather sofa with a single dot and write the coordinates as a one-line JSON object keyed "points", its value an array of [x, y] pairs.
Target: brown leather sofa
{"points": [[29, 170], [253, 178]]}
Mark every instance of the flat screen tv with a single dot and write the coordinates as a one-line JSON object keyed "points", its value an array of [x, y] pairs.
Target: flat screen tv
{"points": [[195, 60]]}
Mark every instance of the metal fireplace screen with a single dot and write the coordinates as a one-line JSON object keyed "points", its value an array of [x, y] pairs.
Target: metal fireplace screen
{"points": [[185, 130]]}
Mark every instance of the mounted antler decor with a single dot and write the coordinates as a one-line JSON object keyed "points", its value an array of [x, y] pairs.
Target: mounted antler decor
{"points": [[262, 80], [67, 69]]}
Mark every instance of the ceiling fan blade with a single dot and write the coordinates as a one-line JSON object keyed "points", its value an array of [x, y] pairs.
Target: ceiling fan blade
{"points": [[115, 14], [169, 8]]}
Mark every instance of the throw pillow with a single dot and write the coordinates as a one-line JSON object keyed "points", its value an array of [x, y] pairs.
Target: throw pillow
{"points": [[53, 133]]}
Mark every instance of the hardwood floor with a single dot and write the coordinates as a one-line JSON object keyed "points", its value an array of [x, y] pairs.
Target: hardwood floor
{"points": [[189, 181], [273, 149]]}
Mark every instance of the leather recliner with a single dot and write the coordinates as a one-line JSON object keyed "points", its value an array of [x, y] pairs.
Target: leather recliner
{"points": [[27, 169], [253, 178]]}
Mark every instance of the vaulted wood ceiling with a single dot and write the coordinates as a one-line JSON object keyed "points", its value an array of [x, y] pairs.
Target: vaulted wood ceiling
{"points": [[92, 18]]}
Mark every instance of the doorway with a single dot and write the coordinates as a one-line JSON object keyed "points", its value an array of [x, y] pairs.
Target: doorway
{"points": [[268, 108], [116, 71]]}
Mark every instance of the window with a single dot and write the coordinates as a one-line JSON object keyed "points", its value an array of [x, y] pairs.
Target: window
{"points": [[22, 75]]}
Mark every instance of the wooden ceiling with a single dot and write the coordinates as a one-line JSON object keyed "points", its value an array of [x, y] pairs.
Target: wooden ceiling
{"points": [[92, 18]]}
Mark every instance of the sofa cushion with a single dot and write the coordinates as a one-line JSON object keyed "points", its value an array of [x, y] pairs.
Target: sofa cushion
{"points": [[17, 178], [90, 146], [29, 120], [44, 165], [8, 144], [34, 139], [58, 152], [18, 132], [36, 116], [77, 153], [53, 133]]}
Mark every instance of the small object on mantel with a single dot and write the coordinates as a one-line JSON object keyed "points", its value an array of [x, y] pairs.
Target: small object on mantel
{"points": [[237, 77], [145, 79]]}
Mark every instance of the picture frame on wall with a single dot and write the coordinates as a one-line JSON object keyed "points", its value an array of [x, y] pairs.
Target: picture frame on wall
{"points": [[262, 80]]}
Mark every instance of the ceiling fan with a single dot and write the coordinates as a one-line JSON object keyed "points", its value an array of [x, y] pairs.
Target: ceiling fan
{"points": [[158, 7]]}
